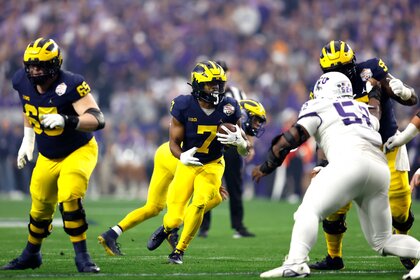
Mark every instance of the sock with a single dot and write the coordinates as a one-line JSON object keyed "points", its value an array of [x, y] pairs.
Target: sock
{"points": [[334, 244], [115, 231]]}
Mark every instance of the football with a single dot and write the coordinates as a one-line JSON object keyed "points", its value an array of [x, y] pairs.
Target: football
{"points": [[229, 126]]}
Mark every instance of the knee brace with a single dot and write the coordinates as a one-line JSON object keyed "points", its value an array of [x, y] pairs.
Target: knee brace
{"points": [[39, 229], [335, 227], [76, 217], [404, 226]]}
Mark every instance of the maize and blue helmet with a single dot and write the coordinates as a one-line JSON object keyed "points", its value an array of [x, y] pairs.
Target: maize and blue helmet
{"points": [[46, 54]]}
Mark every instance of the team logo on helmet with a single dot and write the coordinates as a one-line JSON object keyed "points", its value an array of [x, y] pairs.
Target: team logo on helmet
{"points": [[333, 85]]}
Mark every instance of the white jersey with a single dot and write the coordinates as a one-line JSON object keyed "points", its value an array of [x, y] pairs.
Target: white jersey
{"points": [[340, 126]]}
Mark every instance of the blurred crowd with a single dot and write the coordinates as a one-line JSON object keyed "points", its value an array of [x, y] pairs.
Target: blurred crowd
{"points": [[137, 56]]}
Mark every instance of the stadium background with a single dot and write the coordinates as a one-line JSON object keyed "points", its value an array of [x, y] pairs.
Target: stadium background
{"points": [[137, 56]]}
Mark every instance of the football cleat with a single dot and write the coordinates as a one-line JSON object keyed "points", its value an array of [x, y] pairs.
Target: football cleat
{"points": [[173, 238], [408, 263], [243, 232], [110, 244], [328, 263], [24, 261], [176, 257], [160, 235], [288, 270], [203, 233], [85, 264], [413, 274]]}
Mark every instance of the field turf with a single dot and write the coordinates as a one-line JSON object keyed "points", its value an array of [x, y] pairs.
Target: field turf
{"points": [[218, 256]]}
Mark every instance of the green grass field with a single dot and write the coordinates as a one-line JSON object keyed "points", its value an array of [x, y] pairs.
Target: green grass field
{"points": [[218, 256]]}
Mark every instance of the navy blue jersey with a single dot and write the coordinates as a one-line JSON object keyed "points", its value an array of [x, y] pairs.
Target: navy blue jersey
{"points": [[376, 68], [200, 128], [68, 88]]}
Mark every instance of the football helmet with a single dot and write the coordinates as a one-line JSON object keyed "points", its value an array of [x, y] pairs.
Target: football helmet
{"points": [[253, 117], [46, 54], [223, 64], [333, 85], [338, 56], [208, 72]]}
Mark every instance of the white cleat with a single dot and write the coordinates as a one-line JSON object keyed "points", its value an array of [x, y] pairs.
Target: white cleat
{"points": [[413, 274], [299, 270]]}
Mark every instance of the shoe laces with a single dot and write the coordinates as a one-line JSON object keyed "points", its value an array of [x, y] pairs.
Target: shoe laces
{"points": [[118, 247]]}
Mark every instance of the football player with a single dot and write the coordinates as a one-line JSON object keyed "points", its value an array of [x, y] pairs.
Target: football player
{"points": [[338, 56], [59, 114], [163, 173], [346, 130], [194, 140], [253, 120]]}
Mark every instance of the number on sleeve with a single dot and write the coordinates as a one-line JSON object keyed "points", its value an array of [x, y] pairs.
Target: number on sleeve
{"points": [[382, 64], [83, 89]]}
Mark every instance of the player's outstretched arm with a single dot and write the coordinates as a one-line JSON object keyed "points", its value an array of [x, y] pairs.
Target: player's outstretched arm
{"points": [[399, 139], [281, 145], [399, 91]]}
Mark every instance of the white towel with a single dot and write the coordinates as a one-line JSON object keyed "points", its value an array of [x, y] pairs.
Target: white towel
{"points": [[402, 162]]}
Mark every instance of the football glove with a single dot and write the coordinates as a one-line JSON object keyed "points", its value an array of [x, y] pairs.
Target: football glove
{"points": [[399, 89], [52, 121], [187, 158], [26, 148], [232, 138], [401, 138]]}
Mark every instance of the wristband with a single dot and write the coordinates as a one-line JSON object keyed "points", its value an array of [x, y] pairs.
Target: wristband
{"points": [[323, 163], [266, 168], [70, 121]]}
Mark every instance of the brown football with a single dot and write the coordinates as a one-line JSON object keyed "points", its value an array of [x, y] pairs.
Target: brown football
{"points": [[229, 126]]}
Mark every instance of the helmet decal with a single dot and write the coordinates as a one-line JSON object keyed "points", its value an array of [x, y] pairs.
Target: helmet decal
{"points": [[333, 85]]}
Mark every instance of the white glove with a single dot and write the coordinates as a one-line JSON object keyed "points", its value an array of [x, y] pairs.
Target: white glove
{"points": [[402, 138], [399, 89], [390, 144], [52, 121], [187, 157], [232, 138], [27, 147]]}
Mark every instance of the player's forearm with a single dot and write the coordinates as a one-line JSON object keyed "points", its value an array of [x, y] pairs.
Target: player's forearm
{"points": [[87, 122], [407, 134], [175, 149], [244, 148]]}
